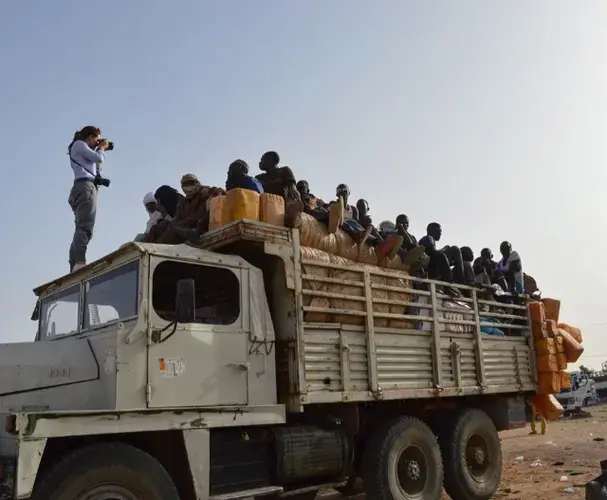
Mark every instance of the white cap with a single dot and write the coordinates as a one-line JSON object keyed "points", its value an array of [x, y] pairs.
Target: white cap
{"points": [[149, 198]]}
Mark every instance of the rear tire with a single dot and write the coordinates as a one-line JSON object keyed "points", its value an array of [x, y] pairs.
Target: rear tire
{"points": [[115, 470], [402, 461], [472, 454]]}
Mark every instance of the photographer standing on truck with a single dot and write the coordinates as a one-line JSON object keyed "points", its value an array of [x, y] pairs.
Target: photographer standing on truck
{"points": [[86, 153]]}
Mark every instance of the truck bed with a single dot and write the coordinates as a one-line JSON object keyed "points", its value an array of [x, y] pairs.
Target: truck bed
{"points": [[350, 332]]}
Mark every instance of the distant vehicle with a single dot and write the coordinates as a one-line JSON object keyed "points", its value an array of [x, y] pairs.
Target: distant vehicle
{"points": [[581, 394]]}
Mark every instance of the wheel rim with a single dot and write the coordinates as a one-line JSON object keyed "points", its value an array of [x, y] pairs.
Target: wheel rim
{"points": [[412, 471], [108, 491], [478, 459]]}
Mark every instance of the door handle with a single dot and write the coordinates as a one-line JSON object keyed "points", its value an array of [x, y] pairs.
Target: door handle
{"points": [[240, 366]]}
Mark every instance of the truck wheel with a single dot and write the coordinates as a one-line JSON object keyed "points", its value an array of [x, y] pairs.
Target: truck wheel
{"points": [[402, 461], [109, 470], [472, 454]]}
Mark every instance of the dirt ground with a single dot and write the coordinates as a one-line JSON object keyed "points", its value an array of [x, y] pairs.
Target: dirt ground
{"points": [[571, 448], [533, 466]]}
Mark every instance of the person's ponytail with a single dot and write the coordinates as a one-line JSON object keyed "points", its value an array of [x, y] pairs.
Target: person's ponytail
{"points": [[77, 136], [83, 134]]}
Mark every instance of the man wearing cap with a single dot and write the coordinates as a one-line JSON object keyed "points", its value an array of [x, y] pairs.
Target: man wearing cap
{"points": [[238, 177]]}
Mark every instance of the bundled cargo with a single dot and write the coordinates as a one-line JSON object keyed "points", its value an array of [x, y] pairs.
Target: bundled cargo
{"points": [[548, 407], [573, 349], [565, 380], [549, 382], [556, 345], [552, 309], [576, 333], [345, 296], [314, 234]]}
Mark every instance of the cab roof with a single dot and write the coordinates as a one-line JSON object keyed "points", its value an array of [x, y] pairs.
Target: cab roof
{"points": [[135, 249]]}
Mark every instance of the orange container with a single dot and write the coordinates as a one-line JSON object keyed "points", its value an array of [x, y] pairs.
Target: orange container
{"points": [[561, 361], [217, 212], [553, 308], [565, 380], [540, 330], [553, 329], [272, 209], [576, 333], [549, 382], [242, 204], [560, 346], [537, 312], [548, 407], [547, 363], [573, 349], [545, 346]]}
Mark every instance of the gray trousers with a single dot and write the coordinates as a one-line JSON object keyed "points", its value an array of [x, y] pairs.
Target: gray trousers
{"points": [[83, 200]]}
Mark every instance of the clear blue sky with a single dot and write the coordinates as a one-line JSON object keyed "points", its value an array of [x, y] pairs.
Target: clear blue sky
{"points": [[488, 117]]}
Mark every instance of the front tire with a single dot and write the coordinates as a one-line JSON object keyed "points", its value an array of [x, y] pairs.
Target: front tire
{"points": [[472, 454], [108, 470], [402, 461]]}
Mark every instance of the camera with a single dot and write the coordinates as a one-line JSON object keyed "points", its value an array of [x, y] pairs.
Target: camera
{"points": [[101, 181], [110, 144]]}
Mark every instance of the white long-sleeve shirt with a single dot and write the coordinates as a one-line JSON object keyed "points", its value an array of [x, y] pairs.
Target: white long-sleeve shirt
{"points": [[84, 160]]}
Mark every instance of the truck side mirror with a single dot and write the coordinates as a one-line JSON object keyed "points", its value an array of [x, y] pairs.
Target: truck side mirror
{"points": [[36, 312], [185, 301]]}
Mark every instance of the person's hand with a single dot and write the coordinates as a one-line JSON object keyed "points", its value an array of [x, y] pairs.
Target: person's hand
{"points": [[103, 144]]}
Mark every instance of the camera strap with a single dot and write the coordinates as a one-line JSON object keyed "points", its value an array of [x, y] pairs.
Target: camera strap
{"points": [[82, 166]]}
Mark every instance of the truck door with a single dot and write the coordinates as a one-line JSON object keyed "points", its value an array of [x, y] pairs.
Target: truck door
{"points": [[204, 363]]}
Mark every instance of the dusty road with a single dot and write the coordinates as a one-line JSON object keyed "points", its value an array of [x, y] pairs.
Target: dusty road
{"points": [[571, 448]]}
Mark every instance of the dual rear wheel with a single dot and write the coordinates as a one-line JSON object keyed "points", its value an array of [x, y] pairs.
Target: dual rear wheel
{"points": [[404, 460]]}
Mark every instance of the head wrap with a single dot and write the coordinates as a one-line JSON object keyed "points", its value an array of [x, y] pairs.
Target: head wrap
{"points": [[149, 198], [168, 197]]}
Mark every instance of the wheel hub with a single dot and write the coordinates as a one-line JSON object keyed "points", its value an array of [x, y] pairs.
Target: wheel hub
{"points": [[108, 492], [413, 470], [479, 455]]}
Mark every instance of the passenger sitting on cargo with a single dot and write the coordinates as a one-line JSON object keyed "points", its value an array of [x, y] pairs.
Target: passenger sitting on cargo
{"points": [[484, 267], [439, 267], [510, 267], [151, 207], [167, 201], [371, 234], [468, 259], [310, 202], [340, 211], [281, 181], [238, 177], [192, 215], [410, 251]]}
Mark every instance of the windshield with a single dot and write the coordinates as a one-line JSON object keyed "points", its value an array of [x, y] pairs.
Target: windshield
{"points": [[59, 313], [111, 296]]}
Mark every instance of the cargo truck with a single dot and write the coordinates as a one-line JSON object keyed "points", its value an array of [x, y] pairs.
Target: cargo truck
{"points": [[246, 367]]}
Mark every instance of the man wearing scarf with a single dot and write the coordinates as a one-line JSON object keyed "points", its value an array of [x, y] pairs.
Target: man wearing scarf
{"points": [[192, 214]]}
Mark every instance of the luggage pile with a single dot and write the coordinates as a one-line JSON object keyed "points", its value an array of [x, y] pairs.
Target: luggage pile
{"points": [[556, 345]]}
